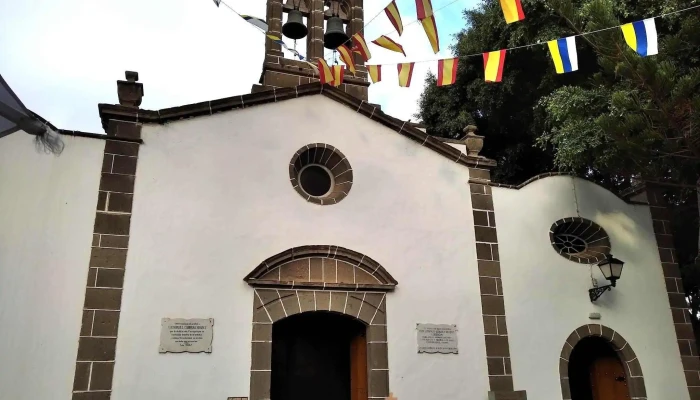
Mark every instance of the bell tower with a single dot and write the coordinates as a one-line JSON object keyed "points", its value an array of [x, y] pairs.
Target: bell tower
{"points": [[342, 15]]}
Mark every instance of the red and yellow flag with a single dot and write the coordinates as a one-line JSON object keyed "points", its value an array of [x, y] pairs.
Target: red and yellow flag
{"points": [[431, 30], [324, 72], [389, 44], [360, 46], [493, 65], [346, 57], [424, 8], [512, 10], [338, 75], [405, 74], [393, 13], [375, 72], [447, 71]]}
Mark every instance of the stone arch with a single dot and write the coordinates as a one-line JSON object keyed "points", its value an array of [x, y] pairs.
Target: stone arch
{"points": [[326, 279], [633, 370], [321, 267]]}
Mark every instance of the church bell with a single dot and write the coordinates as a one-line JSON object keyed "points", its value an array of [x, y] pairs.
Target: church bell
{"points": [[335, 35], [294, 28]]}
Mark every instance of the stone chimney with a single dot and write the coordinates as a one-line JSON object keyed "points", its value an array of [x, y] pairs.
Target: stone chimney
{"points": [[130, 91]]}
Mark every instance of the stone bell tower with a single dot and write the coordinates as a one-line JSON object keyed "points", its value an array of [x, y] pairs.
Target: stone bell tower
{"points": [[279, 71]]}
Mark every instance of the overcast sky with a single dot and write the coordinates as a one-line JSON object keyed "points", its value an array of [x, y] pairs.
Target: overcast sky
{"points": [[63, 57]]}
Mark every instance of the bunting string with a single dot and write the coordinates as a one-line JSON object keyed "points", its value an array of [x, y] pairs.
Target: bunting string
{"points": [[394, 31], [525, 46]]}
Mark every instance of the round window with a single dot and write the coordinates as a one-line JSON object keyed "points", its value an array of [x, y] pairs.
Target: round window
{"points": [[580, 240], [320, 173], [316, 180]]}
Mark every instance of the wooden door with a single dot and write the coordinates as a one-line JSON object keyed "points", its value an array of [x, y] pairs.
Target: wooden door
{"points": [[608, 381], [358, 368]]}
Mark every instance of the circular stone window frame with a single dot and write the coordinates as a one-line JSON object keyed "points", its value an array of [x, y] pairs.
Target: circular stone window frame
{"points": [[597, 241], [326, 170], [330, 159]]}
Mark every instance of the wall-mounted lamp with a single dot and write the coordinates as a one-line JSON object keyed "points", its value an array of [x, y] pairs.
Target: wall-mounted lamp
{"points": [[611, 268]]}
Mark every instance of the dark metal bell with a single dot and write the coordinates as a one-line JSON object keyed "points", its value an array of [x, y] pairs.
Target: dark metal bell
{"points": [[294, 28], [335, 35]]}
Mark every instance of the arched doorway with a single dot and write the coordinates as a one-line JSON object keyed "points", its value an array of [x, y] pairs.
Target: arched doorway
{"points": [[318, 284], [319, 356], [597, 363], [596, 373]]}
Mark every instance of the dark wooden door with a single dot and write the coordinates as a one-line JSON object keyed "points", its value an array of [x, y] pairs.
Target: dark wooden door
{"points": [[358, 368], [608, 380]]}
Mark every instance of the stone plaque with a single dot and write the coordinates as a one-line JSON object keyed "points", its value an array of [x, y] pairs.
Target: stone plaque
{"points": [[180, 335], [434, 338]]}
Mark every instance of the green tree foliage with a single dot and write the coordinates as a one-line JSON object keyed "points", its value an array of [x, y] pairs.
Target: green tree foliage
{"points": [[619, 119]]}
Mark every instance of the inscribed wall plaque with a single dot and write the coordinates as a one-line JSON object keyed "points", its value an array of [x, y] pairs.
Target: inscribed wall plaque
{"points": [[433, 338], [180, 335]]}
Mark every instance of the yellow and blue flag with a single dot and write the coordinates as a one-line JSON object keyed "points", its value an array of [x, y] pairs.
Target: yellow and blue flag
{"points": [[641, 36], [564, 54]]}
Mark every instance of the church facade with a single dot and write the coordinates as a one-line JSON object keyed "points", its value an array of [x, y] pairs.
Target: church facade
{"points": [[336, 253]]}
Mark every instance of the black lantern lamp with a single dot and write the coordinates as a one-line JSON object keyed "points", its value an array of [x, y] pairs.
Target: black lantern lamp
{"points": [[611, 268]]}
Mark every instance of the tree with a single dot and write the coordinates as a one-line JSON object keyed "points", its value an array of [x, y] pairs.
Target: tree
{"points": [[620, 119], [638, 118]]}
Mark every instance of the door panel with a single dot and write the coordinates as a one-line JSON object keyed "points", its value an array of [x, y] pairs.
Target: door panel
{"points": [[608, 380], [358, 368]]}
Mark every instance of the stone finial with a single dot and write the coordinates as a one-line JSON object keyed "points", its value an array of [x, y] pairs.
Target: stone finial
{"points": [[473, 141], [130, 91]]}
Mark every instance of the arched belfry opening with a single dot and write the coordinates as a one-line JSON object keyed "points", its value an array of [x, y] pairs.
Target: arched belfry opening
{"points": [[319, 326]]}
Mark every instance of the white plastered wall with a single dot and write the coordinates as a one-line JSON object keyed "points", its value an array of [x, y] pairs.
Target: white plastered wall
{"points": [[47, 211], [213, 199], [546, 295]]}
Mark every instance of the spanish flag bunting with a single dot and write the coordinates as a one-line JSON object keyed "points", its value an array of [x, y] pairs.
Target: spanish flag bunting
{"points": [[564, 54], [493, 65], [346, 57], [338, 75], [360, 46], [375, 72], [424, 9], [393, 13], [405, 74], [641, 36], [447, 71], [389, 44], [431, 30], [324, 72], [512, 10]]}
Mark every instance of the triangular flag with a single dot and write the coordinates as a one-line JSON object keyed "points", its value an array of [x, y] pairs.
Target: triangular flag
{"points": [[393, 13], [346, 57], [255, 21], [427, 19], [338, 75], [424, 9], [360, 46], [512, 11], [641, 36], [431, 30], [375, 72], [389, 44], [564, 54], [405, 74], [447, 71], [324, 72], [217, 2], [493, 65]]}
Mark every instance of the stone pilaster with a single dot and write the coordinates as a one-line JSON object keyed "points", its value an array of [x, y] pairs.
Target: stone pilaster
{"points": [[274, 23], [314, 41]]}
